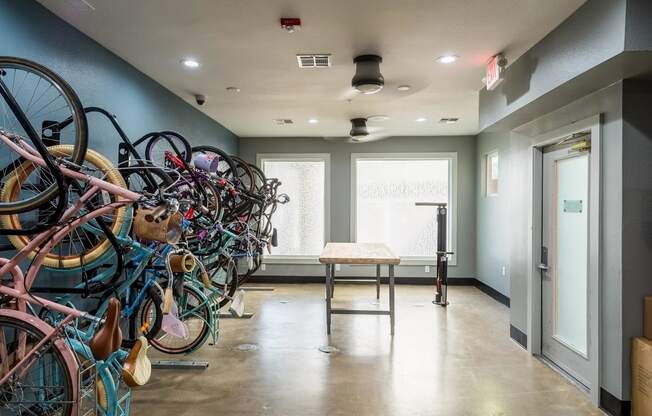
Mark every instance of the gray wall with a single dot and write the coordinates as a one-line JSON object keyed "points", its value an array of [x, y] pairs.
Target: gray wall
{"points": [[637, 211], [566, 77], [341, 191], [592, 35], [513, 210], [492, 244], [100, 78]]}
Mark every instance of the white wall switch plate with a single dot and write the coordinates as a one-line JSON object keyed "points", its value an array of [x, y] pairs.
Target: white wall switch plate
{"points": [[427, 269], [504, 271], [263, 267], [338, 267]]}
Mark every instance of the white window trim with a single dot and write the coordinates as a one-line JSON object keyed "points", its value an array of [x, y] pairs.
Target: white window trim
{"points": [[452, 203], [485, 179], [302, 157]]}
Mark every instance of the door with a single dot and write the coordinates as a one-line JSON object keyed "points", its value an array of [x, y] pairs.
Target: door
{"points": [[565, 280]]}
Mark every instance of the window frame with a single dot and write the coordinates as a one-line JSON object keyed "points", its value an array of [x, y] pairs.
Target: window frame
{"points": [[301, 157], [452, 198], [486, 166]]}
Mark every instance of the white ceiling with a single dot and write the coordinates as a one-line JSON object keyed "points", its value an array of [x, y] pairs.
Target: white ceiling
{"points": [[240, 43]]}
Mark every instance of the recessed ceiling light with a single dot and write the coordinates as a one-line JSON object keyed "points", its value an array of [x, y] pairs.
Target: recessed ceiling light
{"points": [[190, 63], [233, 89], [421, 119], [378, 118], [403, 88], [313, 121], [447, 59]]}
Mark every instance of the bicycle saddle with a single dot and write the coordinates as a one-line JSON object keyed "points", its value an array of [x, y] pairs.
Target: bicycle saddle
{"points": [[109, 337], [137, 368]]}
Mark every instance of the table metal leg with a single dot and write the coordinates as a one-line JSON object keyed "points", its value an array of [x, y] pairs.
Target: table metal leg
{"points": [[378, 281], [328, 298], [332, 280], [391, 296]]}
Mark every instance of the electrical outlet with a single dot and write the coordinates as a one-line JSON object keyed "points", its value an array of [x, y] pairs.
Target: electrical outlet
{"points": [[263, 267], [504, 271], [427, 269], [338, 267]]}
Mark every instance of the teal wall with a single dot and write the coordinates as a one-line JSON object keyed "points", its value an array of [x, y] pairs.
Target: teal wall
{"points": [[102, 79]]}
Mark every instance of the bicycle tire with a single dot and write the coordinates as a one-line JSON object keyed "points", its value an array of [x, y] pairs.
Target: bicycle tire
{"points": [[200, 338], [80, 143], [179, 142], [65, 375], [52, 260], [136, 321]]}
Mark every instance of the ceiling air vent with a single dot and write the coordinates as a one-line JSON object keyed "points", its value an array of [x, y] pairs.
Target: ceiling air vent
{"points": [[283, 121], [314, 60]]}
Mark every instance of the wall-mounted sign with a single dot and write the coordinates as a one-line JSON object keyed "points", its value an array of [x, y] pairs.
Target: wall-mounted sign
{"points": [[494, 74], [573, 205]]}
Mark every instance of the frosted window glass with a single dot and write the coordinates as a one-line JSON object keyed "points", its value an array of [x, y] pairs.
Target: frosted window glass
{"points": [[300, 222], [386, 191], [492, 174], [571, 251]]}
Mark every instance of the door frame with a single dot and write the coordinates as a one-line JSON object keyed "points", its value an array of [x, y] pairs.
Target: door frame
{"points": [[592, 125]]}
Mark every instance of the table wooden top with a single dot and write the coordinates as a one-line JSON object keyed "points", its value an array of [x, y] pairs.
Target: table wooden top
{"points": [[358, 253]]}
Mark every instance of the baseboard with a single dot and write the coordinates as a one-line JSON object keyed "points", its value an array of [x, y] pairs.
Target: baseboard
{"points": [[426, 281], [519, 336], [492, 292], [613, 405]]}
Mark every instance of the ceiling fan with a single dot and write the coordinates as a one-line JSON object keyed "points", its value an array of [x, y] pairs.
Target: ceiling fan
{"points": [[361, 133], [368, 80]]}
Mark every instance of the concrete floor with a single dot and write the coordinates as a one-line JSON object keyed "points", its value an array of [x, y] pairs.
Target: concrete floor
{"points": [[455, 361]]}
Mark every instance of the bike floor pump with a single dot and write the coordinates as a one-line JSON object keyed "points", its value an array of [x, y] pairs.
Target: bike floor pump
{"points": [[441, 278]]}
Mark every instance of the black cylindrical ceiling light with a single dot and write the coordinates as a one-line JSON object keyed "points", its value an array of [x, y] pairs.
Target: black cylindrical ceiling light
{"points": [[358, 128], [368, 79]]}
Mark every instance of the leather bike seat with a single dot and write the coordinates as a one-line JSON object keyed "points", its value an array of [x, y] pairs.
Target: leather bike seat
{"points": [[109, 337], [137, 367]]}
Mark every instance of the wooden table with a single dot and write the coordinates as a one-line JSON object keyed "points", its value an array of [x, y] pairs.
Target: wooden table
{"points": [[358, 253]]}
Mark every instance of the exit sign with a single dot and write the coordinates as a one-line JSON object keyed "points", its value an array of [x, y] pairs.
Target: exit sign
{"points": [[494, 72]]}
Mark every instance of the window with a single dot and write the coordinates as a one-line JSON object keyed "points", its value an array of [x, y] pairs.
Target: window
{"points": [[385, 189], [491, 174], [302, 223]]}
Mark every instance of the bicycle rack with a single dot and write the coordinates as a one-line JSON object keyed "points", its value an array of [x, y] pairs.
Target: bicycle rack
{"points": [[180, 364]]}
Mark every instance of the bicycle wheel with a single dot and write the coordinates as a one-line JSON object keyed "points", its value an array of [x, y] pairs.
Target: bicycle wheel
{"points": [[146, 180], [138, 324], [244, 174], [225, 166], [195, 312], [163, 148], [224, 277], [33, 103], [46, 387], [83, 245]]}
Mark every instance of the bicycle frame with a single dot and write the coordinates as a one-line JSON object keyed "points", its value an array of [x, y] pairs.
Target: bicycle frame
{"points": [[48, 239]]}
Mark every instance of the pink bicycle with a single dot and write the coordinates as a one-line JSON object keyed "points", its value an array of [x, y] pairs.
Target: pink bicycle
{"points": [[38, 368]]}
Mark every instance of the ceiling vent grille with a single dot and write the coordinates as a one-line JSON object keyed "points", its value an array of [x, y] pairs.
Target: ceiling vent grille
{"points": [[314, 60], [283, 121]]}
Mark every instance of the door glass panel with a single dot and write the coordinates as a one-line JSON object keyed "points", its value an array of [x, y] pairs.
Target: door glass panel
{"points": [[571, 252]]}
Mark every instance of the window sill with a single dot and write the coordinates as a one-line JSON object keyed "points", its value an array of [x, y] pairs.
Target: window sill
{"points": [[272, 259]]}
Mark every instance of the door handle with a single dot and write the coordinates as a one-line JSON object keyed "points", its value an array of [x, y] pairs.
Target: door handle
{"points": [[543, 267]]}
